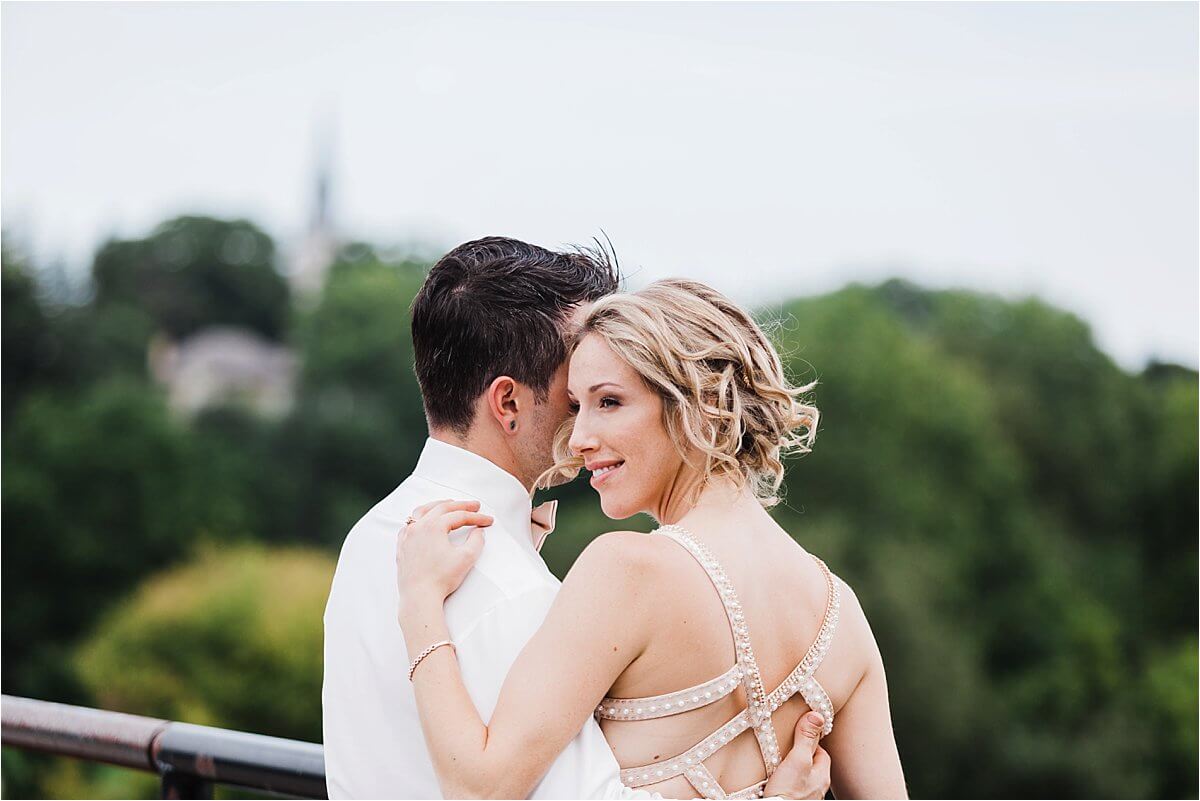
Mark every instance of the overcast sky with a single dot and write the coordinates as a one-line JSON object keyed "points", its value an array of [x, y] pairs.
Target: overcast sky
{"points": [[769, 149]]}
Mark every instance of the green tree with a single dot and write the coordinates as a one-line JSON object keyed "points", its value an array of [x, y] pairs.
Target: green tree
{"points": [[25, 328], [99, 490], [359, 424], [957, 463], [1168, 514], [193, 272]]}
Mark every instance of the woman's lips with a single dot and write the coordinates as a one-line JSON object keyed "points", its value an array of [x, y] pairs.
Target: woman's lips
{"points": [[605, 474]]}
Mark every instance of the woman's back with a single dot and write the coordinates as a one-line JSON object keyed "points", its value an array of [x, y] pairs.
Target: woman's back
{"points": [[779, 597]]}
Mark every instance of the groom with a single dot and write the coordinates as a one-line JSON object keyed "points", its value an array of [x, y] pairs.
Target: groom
{"points": [[489, 329]]}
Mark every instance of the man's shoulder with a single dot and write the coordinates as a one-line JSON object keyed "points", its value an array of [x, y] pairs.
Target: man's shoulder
{"points": [[500, 577], [388, 514], [365, 558]]}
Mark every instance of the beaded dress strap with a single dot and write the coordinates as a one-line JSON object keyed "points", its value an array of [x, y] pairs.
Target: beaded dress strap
{"points": [[673, 703], [702, 780], [803, 678], [690, 764], [756, 693], [753, 791]]}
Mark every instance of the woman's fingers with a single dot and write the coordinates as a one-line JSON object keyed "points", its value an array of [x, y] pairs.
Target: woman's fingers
{"points": [[474, 545], [455, 520], [427, 561], [443, 506], [442, 523], [424, 508]]}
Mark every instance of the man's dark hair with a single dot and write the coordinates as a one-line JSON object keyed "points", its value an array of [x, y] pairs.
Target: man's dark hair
{"points": [[493, 307]]}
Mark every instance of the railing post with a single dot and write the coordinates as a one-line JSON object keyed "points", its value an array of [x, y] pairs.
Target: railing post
{"points": [[180, 785]]}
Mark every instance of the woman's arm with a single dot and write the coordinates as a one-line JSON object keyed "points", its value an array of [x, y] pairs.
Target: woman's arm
{"points": [[590, 635], [862, 747]]}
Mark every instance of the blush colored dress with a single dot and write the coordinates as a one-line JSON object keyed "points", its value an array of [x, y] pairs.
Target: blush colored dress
{"points": [[757, 716]]}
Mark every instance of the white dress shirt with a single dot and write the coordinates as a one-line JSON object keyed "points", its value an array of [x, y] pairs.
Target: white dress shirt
{"points": [[373, 742]]}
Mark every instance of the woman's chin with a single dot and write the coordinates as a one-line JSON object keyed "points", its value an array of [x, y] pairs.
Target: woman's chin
{"points": [[615, 509]]}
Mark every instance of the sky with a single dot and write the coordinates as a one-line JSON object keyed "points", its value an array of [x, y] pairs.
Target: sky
{"points": [[772, 150]]}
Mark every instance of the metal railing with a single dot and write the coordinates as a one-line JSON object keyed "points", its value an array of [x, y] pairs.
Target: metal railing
{"points": [[190, 759]]}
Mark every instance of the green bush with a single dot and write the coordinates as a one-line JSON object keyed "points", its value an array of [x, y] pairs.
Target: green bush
{"points": [[232, 639]]}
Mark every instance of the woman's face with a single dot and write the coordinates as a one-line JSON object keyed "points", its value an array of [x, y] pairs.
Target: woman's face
{"points": [[619, 431]]}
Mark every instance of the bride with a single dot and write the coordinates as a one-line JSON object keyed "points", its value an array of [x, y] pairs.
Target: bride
{"points": [[698, 646]]}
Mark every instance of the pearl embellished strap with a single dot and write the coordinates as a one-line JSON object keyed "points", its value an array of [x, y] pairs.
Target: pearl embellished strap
{"points": [[756, 695], [705, 783], [757, 716], [661, 706], [803, 679], [669, 768]]}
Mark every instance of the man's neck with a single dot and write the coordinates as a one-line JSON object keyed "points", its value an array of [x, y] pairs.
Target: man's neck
{"points": [[480, 444]]}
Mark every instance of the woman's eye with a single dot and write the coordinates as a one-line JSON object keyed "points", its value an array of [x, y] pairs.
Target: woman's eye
{"points": [[606, 403]]}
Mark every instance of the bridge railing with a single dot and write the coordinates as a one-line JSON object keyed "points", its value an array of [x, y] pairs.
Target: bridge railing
{"points": [[189, 759]]}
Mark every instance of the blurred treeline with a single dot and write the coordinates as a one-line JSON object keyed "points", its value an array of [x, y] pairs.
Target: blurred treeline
{"points": [[1017, 514]]}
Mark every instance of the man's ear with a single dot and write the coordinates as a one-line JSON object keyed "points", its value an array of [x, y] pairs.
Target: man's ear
{"points": [[503, 402]]}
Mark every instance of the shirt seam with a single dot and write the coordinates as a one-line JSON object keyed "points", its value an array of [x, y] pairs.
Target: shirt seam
{"points": [[488, 613], [448, 487]]}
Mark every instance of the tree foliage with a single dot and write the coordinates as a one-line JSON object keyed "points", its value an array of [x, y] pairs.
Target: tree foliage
{"points": [[359, 423], [231, 638], [192, 272], [100, 489], [1016, 513]]}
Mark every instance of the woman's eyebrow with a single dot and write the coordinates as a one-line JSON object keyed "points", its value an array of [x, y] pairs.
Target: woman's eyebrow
{"points": [[603, 384]]}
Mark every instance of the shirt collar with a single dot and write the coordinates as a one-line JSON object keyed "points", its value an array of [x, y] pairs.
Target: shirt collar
{"points": [[467, 475]]}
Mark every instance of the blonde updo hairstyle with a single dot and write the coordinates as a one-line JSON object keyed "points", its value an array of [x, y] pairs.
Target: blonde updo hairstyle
{"points": [[725, 396]]}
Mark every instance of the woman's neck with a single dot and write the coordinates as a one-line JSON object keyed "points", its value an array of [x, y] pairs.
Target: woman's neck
{"points": [[720, 504]]}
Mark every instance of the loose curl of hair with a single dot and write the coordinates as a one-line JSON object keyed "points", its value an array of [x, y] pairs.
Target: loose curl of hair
{"points": [[725, 395]]}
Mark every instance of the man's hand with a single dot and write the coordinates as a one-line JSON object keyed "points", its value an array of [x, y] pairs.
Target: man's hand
{"points": [[804, 773]]}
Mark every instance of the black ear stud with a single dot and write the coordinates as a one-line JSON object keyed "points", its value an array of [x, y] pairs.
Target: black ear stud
{"points": [[512, 425]]}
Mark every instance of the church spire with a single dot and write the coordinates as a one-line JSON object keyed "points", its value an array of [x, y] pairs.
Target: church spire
{"points": [[315, 254], [321, 218]]}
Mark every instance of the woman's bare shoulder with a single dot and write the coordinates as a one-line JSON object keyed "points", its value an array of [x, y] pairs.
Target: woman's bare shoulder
{"points": [[854, 630], [621, 573], [627, 554]]}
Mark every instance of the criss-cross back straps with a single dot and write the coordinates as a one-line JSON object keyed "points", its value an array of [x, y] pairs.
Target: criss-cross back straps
{"points": [[690, 764], [706, 784], [756, 694]]}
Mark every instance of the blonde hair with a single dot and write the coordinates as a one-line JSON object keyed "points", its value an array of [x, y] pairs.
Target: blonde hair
{"points": [[724, 392]]}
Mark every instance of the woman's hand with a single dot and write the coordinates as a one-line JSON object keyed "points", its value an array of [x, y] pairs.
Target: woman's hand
{"points": [[428, 566]]}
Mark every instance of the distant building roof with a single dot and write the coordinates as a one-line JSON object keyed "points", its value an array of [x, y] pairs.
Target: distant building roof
{"points": [[225, 365]]}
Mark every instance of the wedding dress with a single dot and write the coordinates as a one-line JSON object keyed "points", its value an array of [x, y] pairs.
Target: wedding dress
{"points": [[757, 716]]}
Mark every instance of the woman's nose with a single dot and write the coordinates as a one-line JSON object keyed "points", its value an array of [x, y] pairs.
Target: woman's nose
{"points": [[581, 439]]}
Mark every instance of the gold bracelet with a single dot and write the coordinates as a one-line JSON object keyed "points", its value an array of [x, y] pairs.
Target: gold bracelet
{"points": [[413, 667]]}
